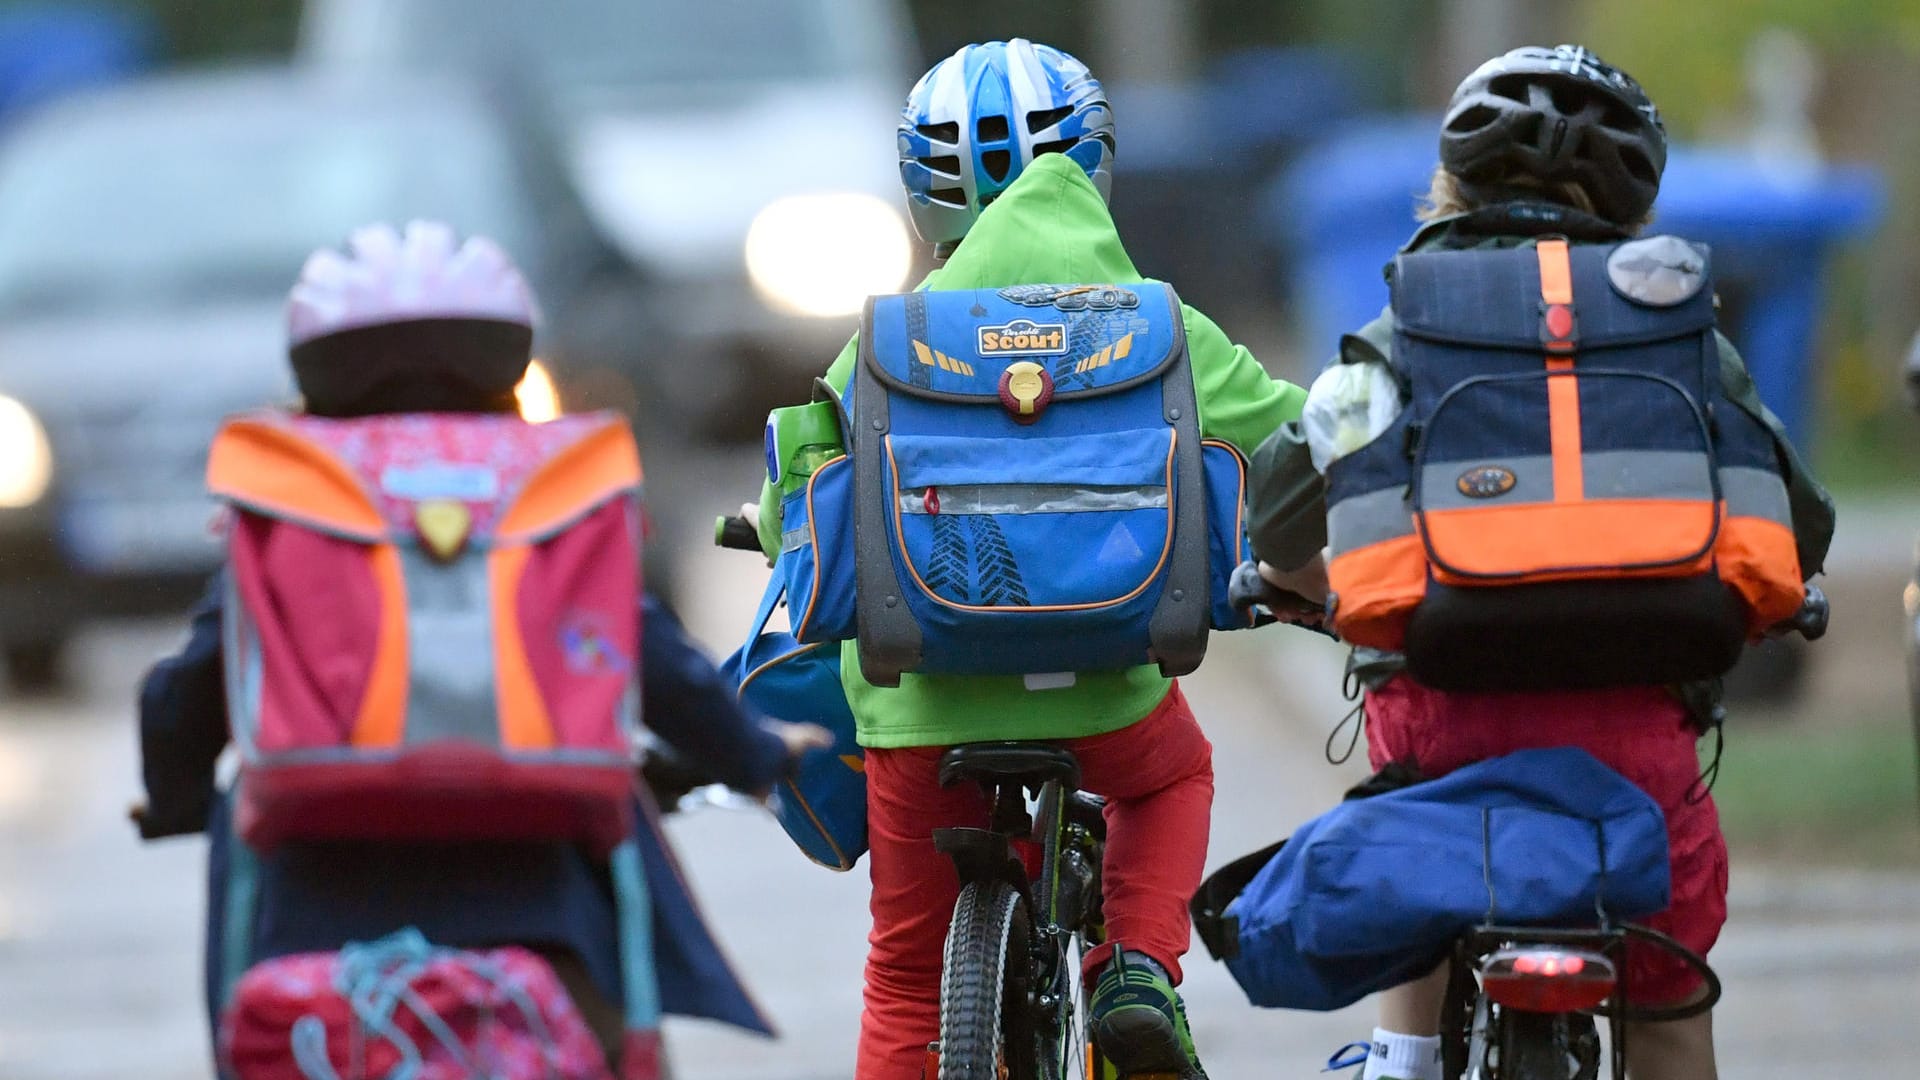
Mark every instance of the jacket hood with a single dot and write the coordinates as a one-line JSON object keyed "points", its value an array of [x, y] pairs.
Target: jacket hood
{"points": [[1050, 227]]}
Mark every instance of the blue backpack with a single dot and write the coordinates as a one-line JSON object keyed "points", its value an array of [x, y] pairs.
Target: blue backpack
{"points": [[1027, 490], [823, 804], [1373, 892]]}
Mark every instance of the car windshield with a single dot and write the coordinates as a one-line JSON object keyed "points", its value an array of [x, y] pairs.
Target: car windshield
{"points": [[146, 208], [595, 47]]}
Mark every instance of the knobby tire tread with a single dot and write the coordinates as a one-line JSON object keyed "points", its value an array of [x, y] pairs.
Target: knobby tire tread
{"points": [[973, 980]]}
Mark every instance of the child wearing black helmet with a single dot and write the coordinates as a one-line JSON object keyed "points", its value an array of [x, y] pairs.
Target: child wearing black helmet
{"points": [[1551, 150]]}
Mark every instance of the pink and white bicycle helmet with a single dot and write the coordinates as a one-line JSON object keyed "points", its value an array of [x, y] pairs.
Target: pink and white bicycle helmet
{"points": [[417, 314]]}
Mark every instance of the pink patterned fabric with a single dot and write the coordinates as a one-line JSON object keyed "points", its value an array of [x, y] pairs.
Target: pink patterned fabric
{"points": [[511, 1017], [410, 454]]}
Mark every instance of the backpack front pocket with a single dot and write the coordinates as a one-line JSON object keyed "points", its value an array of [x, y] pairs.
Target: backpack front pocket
{"points": [[1547, 477], [1006, 526]]}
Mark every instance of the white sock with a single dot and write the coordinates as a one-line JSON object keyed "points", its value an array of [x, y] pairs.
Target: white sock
{"points": [[1403, 1057]]}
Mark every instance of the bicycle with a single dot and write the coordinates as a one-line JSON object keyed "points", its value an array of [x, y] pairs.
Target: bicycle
{"points": [[1011, 1003], [1521, 1001]]}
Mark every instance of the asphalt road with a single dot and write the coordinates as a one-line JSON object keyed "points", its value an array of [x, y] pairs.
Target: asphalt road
{"points": [[100, 938]]}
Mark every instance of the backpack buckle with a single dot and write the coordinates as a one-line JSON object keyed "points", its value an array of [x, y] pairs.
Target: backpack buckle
{"points": [[1559, 328], [1025, 390]]}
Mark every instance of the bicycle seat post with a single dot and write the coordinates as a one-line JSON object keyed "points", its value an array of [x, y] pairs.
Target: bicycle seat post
{"points": [[1010, 817]]}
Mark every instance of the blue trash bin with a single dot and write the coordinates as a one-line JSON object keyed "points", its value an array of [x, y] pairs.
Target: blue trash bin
{"points": [[1347, 205], [48, 49]]}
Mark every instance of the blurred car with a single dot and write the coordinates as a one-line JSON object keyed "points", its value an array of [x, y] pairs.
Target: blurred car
{"points": [[741, 152], [148, 236]]}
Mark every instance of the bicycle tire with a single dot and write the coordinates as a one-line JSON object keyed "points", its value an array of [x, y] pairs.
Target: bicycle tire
{"points": [[984, 981], [1547, 1046]]}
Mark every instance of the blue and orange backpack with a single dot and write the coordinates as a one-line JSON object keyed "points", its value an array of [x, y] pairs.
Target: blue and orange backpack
{"points": [[1569, 498]]}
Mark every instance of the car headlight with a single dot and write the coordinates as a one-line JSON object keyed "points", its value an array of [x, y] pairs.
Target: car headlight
{"points": [[26, 458], [536, 395], [825, 254]]}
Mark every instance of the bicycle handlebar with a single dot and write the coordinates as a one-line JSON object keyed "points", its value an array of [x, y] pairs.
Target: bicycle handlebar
{"points": [[1810, 621], [736, 532], [1248, 592]]}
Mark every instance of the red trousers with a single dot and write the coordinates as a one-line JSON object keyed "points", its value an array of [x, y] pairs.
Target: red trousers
{"points": [[1157, 776], [1642, 733]]}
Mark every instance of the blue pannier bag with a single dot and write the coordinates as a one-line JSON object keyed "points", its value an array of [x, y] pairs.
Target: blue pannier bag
{"points": [[1030, 492], [823, 806], [1375, 891]]}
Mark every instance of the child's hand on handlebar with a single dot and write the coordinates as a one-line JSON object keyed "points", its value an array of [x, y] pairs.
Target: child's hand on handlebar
{"points": [[1308, 582]]}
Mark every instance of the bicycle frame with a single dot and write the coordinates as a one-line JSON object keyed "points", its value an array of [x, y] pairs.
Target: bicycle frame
{"points": [[1062, 898]]}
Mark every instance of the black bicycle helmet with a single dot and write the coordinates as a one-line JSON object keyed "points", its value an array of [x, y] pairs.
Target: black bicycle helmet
{"points": [[1555, 115]]}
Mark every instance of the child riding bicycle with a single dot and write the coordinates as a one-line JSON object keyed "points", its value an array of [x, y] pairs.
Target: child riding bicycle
{"points": [[1553, 151], [407, 347], [1006, 153]]}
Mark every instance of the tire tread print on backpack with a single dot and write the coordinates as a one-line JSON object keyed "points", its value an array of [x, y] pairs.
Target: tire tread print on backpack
{"points": [[946, 572], [999, 574]]}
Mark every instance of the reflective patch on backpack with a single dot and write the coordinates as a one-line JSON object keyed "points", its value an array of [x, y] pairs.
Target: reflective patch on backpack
{"points": [[1660, 271], [1120, 545]]}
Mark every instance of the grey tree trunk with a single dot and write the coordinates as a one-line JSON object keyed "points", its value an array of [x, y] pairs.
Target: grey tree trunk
{"points": [[1145, 40], [1474, 31]]}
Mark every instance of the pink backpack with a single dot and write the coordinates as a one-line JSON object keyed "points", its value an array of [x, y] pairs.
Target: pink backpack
{"points": [[399, 1007], [432, 626]]}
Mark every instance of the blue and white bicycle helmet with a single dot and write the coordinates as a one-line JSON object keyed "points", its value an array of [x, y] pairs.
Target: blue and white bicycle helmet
{"points": [[981, 115]]}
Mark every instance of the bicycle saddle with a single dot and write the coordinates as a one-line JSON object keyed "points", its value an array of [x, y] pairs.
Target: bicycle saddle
{"points": [[1027, 764]]}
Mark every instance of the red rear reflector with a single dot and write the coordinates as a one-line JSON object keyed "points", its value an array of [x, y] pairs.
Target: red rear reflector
{"points": [[1539, 978]]}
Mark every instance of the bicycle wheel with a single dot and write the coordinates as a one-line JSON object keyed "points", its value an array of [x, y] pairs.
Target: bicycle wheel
{"points": [[986, 1028], [1547, 1046]]}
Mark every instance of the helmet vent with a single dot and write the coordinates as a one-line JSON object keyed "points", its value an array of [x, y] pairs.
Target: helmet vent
{"points": [[997, 163], [948, 132], [1057, 146], [1511, 87], [1040, 120], [1569, 100], [991, 129], [1639, 167], [1473, 119], [949, 197], [945, 165]]}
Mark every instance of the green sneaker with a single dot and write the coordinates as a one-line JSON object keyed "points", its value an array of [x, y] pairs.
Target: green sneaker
{"points": [[1139, 1023]]}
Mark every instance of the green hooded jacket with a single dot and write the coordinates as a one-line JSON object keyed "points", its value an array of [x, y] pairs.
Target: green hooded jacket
{"points": [[1050, 226]]}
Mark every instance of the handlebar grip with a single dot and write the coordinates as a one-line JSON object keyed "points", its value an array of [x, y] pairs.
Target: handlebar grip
{"points": [[1810, 621], [736, 532], [1248, 591]]}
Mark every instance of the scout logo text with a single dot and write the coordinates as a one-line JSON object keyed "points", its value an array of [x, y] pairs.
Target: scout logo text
{"points": [[1023, 337]]}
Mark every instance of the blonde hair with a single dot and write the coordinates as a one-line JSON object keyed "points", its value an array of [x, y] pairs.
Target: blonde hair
{"points": [[1447, 196]]}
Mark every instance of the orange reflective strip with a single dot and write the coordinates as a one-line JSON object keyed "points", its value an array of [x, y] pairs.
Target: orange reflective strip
{"points": [[1563, 431], [276, 471], [1563, 388], [1378, 586], [1598, 539], [382, 719], [524, 723], [1556, 272], [1757, 557], [573, 481]]}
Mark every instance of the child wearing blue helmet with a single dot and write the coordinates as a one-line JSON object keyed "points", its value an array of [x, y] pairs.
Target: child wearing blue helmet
{"points": [[1006, 152]]}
